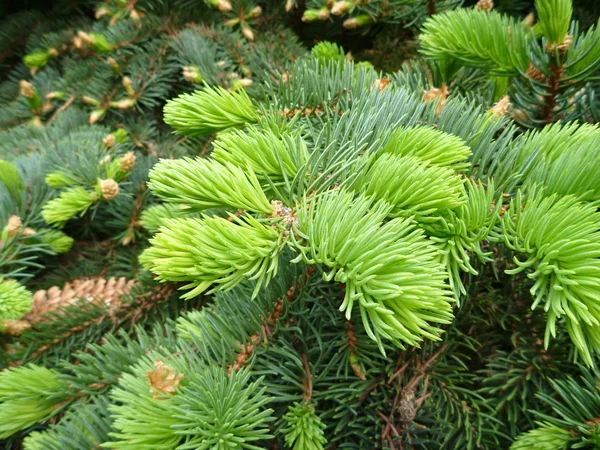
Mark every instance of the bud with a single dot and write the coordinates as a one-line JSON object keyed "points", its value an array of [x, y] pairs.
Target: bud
{"points": [[26, 89], [95, 116], [14, 225], [101, 12], [243, 83], [28, 231], [104, 160], [310, 15], [128, 85], [127, 239], [89, 100], [126, 103], [255, 12], [192, 74], [232, 22], [529, 20], [248, 34], [289, 4], [126, 162], [356, 22], [500, 108], [323, 14], [59, 95], [53, 52], [220, 64], [222, 5], [108, 188], [109, 140], [135, 14], [484, 5], [340, 8], [113, 64], [85, 37], [78, 43]]}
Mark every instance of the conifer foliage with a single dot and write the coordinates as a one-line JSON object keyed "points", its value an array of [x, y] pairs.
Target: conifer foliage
{"points": [[212, 237]]}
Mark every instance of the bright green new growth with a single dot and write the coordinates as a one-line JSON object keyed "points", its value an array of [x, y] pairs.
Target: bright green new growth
{"points": [[221, 411], [209, 111], [15, 300], [202, 184], [11, 179], [275, 156], [412, 186], [58, 240], [485, 39], [37, 59], [67, 205], [154, 216], [546, 437], [213, 250], [141, 419], [429, 144], [304, 429], [460, 232], [28, 394], [554, 19], [328, 51], [390, 269], [561, 237]]}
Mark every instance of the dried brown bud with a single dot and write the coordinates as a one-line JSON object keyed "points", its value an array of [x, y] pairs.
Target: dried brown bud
{"points": [[14, 225], [485, 5], [407, 408], [109, 140], [561, 48], [534, 73], [109, 188], [500, 108], [163, 379], [53, 52], [126, 162], [434, 94], [381, 83], [26, 89]]}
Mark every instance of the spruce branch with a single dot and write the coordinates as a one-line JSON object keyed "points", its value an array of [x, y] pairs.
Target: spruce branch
{"points": [[389, 268], [213, 250], [202, 184], [209, 111]]}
